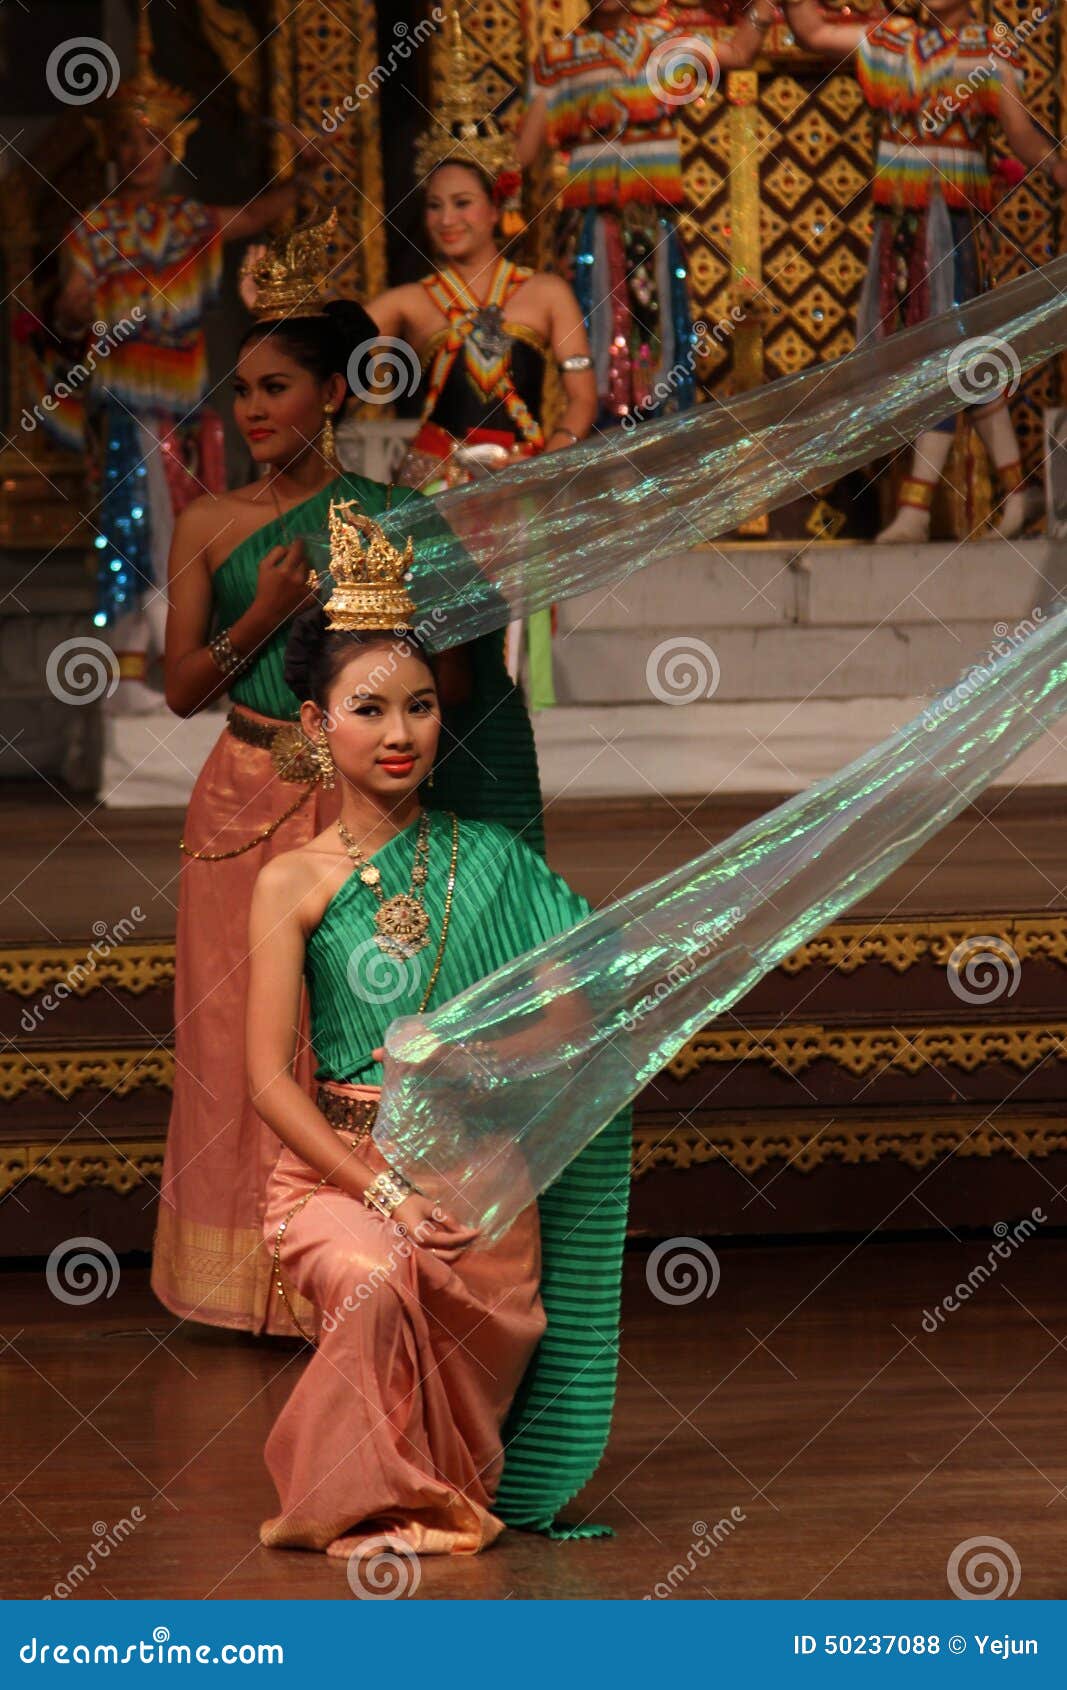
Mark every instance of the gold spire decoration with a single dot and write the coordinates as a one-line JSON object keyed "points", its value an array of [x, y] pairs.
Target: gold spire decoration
{"points": [[464, 131], [144, 99], [368, 579], [291, 271]]}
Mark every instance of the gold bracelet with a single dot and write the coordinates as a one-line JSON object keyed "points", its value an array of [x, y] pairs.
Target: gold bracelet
{"points": [[387, 1191], [225, 654]]}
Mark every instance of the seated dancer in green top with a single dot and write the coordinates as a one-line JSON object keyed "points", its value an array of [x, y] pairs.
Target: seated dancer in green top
{"points": [[237, 575], [455, 1387]]}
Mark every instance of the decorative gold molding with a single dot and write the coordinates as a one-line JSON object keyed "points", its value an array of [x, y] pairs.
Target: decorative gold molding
{"points": [[117, 1071], [848, 945], [844, 948], [71, 1167], [27, 970], [750, 1145], [861, 1050], [235, 41]]}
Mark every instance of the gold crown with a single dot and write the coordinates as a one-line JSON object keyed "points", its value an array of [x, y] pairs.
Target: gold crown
{"points": [[464, 132], [144, 99], [368, 580], [290, 273]]}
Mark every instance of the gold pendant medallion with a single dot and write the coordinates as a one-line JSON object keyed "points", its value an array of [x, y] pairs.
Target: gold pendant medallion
{"points": [[403, 926]]}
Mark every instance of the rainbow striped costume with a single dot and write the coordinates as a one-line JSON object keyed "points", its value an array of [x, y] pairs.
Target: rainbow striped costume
{"points": [[938, 93], [602, 112], [164, 261]]}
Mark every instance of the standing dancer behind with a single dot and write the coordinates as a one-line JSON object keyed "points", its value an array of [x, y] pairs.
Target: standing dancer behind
{"points": [[484, 329], [941, 83], [426, 1348], [605, 94], [238, 575], [147, 264]]}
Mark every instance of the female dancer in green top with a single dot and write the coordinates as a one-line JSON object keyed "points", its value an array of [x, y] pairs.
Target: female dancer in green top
{"points": [[427, 1346], [238, 571]]}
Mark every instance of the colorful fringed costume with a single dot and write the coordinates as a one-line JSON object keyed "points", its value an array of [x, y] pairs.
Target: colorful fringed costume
{"points": [[617, 240], [134, 396]]}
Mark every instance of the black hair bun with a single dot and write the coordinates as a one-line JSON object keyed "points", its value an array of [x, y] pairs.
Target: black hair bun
{"points": [[353, 334], [302, 648]]}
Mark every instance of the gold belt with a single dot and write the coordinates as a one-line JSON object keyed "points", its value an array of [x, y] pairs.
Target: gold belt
{"points": [[291, 751], [354, 1114]]}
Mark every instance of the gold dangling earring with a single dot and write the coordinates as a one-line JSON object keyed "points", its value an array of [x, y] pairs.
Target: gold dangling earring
{"points": [[429, 777], [324, 759], [329, 443]]}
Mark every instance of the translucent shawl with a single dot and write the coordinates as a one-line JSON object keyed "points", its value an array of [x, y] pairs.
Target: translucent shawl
{"points": [[568, 522], [489, 1098]]}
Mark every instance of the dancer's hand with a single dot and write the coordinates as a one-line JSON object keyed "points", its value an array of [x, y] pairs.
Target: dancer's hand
{"points": [[283, 586], [432, 1228]]}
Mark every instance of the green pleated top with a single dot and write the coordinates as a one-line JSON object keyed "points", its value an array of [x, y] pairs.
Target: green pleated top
{"points": [[507, 900], [486, 762]]}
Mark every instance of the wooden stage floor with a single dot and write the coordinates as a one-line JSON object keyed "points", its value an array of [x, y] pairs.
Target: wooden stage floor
{"points": [[66, 863], [847, 1451]]}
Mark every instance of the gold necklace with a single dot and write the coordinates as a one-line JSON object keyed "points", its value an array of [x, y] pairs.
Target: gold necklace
{"points": [[402, 922]]}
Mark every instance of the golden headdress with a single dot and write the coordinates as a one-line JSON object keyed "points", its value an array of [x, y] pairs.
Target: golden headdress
{"points": [[368, 579], [464, 131], [145, 100], [291, 271]]}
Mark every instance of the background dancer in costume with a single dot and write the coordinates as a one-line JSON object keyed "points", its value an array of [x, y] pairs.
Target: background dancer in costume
{"points": [[146, 263], [394, 1428], [603, 95], [941, 83], [484, 329], [238, 574]]}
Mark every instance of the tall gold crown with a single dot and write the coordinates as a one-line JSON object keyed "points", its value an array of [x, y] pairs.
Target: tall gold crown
{"points": [[368, 580], [464, 131], [144, 99], [290, 273]]}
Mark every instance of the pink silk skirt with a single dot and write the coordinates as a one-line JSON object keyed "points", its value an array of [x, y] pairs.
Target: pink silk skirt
{"points": [[208, 1261], [393, 1429]]}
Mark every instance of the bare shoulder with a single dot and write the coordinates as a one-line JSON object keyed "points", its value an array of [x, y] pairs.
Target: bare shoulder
{"points": [[301, 883]]}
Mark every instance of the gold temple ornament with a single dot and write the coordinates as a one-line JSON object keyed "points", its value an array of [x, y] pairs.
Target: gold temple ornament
{"points": [[289, 275], [368, 574]]}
